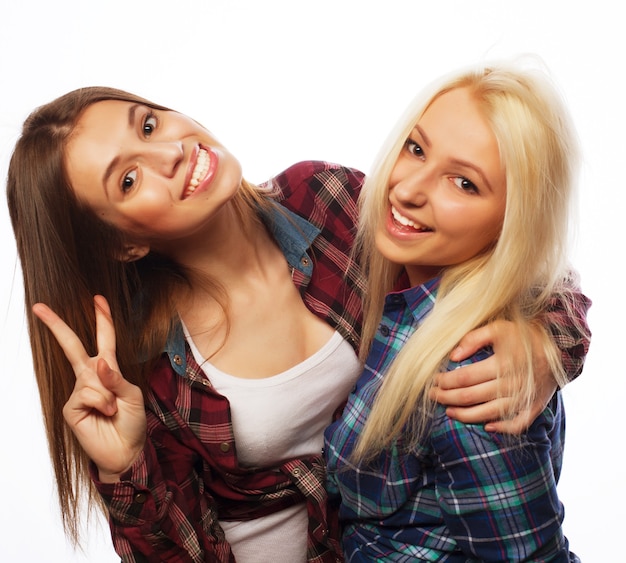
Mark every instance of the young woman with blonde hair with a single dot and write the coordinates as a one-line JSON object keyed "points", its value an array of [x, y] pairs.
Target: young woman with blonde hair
{"points": [[463, 221], [193, 394]]}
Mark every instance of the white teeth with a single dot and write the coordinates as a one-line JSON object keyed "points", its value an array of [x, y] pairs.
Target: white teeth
{"points": [[402, 219], [202, 166], [405, 221]]}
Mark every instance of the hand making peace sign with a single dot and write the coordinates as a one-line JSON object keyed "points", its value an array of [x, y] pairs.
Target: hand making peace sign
{"points": [[105, 412]]}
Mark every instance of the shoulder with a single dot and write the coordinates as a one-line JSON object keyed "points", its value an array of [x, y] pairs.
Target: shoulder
{"points": [[318, 185], [472, 444], [452, 439], [306, 171]]}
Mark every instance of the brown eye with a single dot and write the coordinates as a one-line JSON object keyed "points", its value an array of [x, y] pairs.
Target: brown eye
{"points": [[129, 181], [414, 148], [149, 124], [465, 184]]}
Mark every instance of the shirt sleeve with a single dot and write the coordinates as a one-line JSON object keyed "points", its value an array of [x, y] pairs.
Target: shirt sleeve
{"points": [[566, 321], [155, 516], [497, 493]]}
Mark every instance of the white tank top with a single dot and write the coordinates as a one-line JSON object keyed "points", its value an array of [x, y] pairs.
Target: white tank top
{"points": [[278, 418]]}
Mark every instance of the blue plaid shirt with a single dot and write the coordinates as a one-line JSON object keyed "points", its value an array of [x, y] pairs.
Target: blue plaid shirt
{"points": [[464, 494]]}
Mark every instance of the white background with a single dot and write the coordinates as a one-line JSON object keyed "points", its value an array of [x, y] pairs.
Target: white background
{"points": [[279, 82]]}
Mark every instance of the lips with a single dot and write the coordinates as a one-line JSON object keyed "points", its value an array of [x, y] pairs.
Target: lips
{"points": [[202, 172]]}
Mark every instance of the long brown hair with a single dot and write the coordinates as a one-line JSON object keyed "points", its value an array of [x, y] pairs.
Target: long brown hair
{"points": [[67, 256]]}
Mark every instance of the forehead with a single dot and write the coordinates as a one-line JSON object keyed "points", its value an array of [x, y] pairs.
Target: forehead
{"points": [[101, 127], [101, 118], [456, 119], [457, 109], [97, 137]]}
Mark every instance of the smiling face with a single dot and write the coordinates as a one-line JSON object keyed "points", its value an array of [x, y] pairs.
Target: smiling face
{"points": [[447, 190], [158, 176]]}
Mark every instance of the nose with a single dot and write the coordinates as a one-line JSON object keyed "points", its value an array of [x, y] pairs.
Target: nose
{"points": [[413, 188], [165, 156]]}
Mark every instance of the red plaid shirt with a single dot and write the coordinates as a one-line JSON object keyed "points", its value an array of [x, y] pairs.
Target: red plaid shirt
{"points": [[166, 507]]}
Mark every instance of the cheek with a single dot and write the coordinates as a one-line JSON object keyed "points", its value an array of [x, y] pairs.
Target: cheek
{"points": [[399, 172], [496, 219], [472, 225], [487, 229], [456, 215]]}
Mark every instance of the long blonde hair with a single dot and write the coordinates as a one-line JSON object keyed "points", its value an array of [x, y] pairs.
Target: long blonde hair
{"points": [[515, 280], [68, 255]]}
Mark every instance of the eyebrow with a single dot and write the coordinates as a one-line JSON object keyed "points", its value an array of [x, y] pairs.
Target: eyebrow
{"points": [[132, 110], [423, 135], [457, 161], [476, 169]]}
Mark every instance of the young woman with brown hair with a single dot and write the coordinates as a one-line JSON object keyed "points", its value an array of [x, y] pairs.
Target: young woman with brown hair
{"points": [[193, 394]]}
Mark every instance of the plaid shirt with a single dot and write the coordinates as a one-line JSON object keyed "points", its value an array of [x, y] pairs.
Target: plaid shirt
{"points": [[464, 494], [167, 505]]}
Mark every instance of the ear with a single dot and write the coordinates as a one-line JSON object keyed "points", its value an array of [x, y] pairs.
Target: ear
{"points": [[134, 252]]}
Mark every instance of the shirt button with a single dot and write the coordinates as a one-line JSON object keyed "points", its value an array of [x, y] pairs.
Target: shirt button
{"points": [[140, 498], [384, 330], [225, 447], [296, 472], [178, 360], [304, 261]]}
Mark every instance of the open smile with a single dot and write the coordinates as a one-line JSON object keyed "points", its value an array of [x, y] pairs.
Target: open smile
{"points": [[404, 222], [200, 176]]}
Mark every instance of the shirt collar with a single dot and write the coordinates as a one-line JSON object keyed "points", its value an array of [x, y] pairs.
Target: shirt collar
{"points": [[293, 234], [419, 299]]}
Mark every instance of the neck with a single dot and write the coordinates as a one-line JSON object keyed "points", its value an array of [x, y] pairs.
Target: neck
{"points": [[230, 249], [234, 266]]}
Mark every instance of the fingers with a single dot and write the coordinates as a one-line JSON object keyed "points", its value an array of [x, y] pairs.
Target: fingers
{"points": [[91, 392], [474, 341], [466, 396], [479, 414], [492, 412], [515, 425], [481, 392], [86, 399], [69, 341], [493, 334], [471, 386], [65, 336], [105, 330], [471, 374], [100, 390], [114, 382]]}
